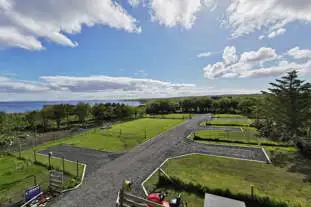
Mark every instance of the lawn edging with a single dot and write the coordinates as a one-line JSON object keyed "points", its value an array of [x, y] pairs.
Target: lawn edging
{"points": [[184, 155], [81, 180], [266, 155]]}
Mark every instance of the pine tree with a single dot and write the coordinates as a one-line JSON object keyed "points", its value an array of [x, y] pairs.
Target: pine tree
{"points": [[287, 105]]}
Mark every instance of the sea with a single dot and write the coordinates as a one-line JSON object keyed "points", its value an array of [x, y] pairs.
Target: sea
{"points": [[24, 106]]}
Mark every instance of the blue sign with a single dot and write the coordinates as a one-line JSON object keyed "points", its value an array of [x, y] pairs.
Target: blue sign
{"points": [[32, 192]]}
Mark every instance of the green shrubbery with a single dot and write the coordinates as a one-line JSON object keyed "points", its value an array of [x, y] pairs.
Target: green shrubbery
{"points": [[200, 190]]}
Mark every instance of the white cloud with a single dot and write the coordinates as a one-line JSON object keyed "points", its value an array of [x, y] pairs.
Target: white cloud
{"points": [[8, 85], [276, 33], [247, 16], [29, 21], [229, 55], [204, 54], [93, 87], [262, 55], [251, 64], [298, 53], [135, 3], [175, 12]]}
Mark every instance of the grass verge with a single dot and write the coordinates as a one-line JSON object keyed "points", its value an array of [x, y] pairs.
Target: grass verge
{"points": [[274, 186], [170, 116]]}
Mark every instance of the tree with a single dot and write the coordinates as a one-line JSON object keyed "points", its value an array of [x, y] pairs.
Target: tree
{"points": [[32, 118], [287, 104], [2, 121], [82, 110]]}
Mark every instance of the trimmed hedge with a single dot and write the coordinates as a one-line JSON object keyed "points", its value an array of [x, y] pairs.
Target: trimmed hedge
{"points": [[197, 138], [200, 190]]}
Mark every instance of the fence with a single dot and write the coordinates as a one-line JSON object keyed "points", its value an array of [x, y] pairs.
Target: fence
{"points": [[128, 200]]}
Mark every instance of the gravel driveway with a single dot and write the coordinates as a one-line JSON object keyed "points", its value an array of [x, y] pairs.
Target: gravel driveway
{"points": [[92, 158], [101, 186]]}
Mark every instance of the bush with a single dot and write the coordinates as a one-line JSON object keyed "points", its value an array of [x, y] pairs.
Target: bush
{"points": [[304, 146]]}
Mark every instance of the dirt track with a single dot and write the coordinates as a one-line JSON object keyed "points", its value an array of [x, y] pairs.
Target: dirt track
{"points": [[101, 186]]}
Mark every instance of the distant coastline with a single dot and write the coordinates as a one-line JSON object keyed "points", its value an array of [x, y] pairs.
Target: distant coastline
{"points": [[24, 106]]}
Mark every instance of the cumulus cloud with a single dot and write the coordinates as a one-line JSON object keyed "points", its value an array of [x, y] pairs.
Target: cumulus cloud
{"points": [[262, 55], [252, 64], [247, 16], [298, 53], [24, 23], [175, 12], [229, 55]]}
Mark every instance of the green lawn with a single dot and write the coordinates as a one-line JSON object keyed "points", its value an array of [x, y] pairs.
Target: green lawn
{"points": [[12, 174], [120, 137], [249, 135], [170, 116], [237, 176], [228, 122], [229, 116]]}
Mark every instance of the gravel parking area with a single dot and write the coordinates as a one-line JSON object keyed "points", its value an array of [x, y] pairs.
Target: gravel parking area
{"points": [[92, 158], [101, 186], [230, 129]]}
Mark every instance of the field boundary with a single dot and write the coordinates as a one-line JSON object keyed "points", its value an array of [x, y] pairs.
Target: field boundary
{"points": [[189, 154]]}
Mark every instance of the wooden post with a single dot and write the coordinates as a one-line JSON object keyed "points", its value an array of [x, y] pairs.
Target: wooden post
{"points": [[77, 168], [63, 160], [252, 191], [34, 155], [120, 133], [50, 155], [20, 151], [145, 133], [34, 180], [121, 197]]}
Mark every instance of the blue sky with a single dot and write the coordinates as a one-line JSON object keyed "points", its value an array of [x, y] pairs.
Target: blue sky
{"points": [[149, 48]]}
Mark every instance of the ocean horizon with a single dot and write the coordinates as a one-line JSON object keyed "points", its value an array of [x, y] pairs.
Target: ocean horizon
{"points": [[24, 106]]}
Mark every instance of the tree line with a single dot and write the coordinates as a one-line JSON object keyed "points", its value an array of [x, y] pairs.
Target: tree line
{"points": [[247, 105], [62, 116]]}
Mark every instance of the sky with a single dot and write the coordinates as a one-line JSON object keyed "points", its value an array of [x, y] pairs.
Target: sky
{"points": [[128, 49]]}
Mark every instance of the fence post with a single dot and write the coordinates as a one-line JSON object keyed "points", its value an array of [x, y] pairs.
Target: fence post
{"points": [[63, 160], [121, 197], [252, 191], [145, 133], [120, 133], [77, 168], [35, 156], [20, 151], [35, 180], [50, 155]]}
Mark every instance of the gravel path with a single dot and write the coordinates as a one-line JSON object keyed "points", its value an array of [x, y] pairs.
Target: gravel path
{"points": [[231, 129], [92, 158], [101, 186]]}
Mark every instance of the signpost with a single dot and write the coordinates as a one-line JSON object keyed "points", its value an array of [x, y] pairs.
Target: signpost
{"points": [[32, 193]]}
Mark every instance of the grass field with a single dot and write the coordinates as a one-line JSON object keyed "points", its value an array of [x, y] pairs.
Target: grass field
{"points": [[249, 135], [170, 116], [120, 137], [228, 122], [237, 176], [12, 174], [229, 116]]}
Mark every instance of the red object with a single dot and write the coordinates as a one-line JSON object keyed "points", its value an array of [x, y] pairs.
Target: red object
{"points": [[156, 197]]}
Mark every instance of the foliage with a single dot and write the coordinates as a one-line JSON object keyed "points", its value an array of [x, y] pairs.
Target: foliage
{"points": [[287, 106]]}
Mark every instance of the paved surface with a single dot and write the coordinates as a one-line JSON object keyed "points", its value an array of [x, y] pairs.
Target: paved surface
{"points": [[231, 129], [92, 158], [101, 186]]}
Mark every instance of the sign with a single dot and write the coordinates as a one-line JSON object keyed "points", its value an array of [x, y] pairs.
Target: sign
{"points": [[32, 192]]}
